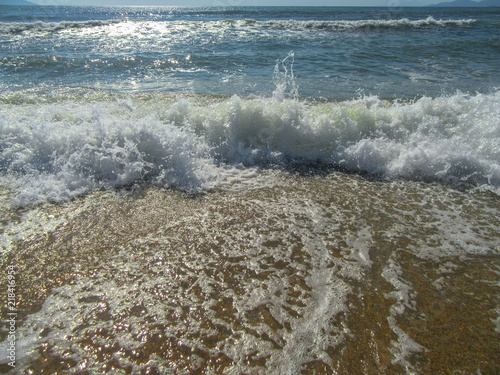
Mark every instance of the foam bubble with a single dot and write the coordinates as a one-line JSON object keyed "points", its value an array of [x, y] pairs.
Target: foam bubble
{"points": [[54, 152], [57, 152]]}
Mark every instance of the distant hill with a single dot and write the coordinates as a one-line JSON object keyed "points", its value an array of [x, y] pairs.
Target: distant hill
{"points": [[15, 2], [469, 3]]}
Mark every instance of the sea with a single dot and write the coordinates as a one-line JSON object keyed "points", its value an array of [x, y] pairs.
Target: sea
{"points": [[249, 190]]}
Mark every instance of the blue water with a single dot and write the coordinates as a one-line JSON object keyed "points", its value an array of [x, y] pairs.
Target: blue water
{"points": [[389, 52], [105, 97]]}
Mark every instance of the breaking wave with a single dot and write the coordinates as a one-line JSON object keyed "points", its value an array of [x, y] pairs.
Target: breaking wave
{"points": [[48, 27], [296, 25], [403, 23], [53, 152]]}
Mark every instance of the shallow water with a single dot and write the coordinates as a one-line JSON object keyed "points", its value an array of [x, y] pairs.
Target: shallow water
{"points": [[294, 273]]}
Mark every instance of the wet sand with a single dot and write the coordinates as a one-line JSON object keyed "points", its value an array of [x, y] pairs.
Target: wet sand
{"points": [[325, 274]]}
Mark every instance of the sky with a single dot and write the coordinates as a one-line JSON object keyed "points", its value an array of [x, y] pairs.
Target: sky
{"points": [[390, 3]]}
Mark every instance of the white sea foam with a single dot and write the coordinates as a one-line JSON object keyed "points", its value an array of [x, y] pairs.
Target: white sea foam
{"points": [[49, 27], [57, 151], [365, 24], [404, 346], [121, 26]]}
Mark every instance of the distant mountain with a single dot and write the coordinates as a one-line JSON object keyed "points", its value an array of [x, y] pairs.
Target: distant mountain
{"points": [[469, 3], [15, 2]]}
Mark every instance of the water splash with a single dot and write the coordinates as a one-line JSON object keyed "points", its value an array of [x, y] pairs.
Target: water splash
{"points": [[55, 152], [284, 79]]}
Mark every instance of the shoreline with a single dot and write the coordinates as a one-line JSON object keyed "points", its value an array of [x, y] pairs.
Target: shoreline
{"points": [[209, 260]]}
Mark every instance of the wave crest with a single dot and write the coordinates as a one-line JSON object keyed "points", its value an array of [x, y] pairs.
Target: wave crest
{"points": [[58, 151], [364, 24], [15, 28], [9, 28]]}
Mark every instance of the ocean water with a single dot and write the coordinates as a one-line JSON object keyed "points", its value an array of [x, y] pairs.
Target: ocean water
{"points": [[250, 190]]}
